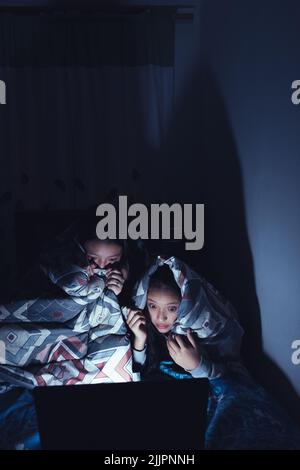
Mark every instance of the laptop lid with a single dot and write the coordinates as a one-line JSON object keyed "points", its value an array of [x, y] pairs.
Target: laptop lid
{"points": [[162, 415]]}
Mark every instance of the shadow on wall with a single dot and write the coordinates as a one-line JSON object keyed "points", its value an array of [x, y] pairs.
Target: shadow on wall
{"points": [[201, 160]]}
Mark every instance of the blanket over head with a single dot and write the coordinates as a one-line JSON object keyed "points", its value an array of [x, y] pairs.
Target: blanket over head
{"points": [[73, 332], [202, 309]]}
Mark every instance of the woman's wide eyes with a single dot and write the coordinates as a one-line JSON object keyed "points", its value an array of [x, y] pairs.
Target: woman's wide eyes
{"points": [[152, 306], [173, 309]]}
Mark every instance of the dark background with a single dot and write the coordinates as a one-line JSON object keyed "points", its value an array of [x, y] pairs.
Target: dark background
{"points": [[166, 102]]}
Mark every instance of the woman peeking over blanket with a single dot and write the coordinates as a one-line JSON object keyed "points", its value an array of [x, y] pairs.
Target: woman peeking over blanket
{"points": [[183, 327], [67, 325], [81, 264]]}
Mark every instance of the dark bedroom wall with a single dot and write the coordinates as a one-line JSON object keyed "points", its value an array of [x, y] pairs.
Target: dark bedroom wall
{"points": [[238, 133]]}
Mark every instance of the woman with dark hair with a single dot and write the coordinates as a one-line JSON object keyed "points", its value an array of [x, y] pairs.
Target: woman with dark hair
{"points": [[79, 254], [183, 328], [72, 330], [151, 328]]}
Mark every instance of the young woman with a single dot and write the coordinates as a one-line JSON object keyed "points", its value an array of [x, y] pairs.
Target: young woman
{"points": [[182, 327], [69, 329], [81, 264]]}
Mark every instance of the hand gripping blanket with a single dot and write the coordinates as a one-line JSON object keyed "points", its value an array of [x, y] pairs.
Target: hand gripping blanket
{"points": [[72, 333]]}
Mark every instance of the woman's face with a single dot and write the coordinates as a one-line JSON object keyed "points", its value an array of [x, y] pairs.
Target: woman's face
{"points": [[162, 306], [102, 254]]}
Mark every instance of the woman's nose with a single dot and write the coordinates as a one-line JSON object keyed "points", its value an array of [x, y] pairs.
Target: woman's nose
{"points": [[101, 263], [162, 315]]}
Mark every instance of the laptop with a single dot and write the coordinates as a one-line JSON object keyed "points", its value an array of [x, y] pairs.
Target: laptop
{"points": [[160, 415]]}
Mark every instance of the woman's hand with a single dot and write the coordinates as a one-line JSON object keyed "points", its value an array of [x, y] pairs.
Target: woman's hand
{"points": [[136, 322], [90, 271], [115, 280], [183, 350]]}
